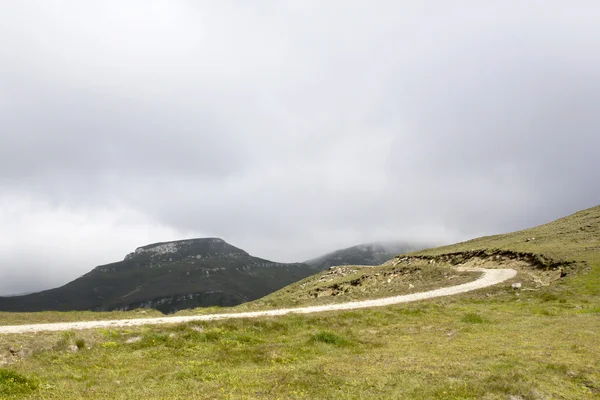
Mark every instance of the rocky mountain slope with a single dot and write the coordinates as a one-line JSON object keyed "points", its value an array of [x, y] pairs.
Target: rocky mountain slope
{"points": [[168, 277]]}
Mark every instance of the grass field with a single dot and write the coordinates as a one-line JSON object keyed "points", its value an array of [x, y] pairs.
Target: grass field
{"points": [[21, 318], [496, 343]]}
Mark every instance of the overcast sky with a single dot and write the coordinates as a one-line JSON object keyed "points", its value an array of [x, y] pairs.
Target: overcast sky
{"points": [[287, 128]]}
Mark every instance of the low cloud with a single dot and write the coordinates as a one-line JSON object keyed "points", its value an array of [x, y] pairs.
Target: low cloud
{"points": [[289, 129]]}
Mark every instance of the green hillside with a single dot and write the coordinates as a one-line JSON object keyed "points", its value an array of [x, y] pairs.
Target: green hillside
{"points": [[575, 238], [560, 253], [537, 342]]}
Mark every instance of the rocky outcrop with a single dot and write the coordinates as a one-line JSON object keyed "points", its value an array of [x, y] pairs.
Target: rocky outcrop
{"points": [[498, 255]]}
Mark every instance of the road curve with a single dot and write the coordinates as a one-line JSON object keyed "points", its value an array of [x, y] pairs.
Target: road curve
{"points": [[489, 277]]}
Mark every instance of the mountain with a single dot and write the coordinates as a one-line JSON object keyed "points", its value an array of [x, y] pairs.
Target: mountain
{"points": [[364, 254], [171, 276], [168, 277]]}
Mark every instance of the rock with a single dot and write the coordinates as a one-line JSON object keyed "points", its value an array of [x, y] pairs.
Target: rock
{"points": [[516, 286], [198, 329], [134, 339], [411, 286], [563, 273], [72, 349], [537, 395], [23, 353]]}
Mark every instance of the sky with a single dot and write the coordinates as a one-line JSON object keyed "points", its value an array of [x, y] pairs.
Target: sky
{"points": [[287, 128]]}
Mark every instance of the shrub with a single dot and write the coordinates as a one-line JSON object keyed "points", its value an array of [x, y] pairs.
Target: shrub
{"points": [[80, 343]]}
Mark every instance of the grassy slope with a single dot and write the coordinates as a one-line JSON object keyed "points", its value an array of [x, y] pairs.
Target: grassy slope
{"points": [[491, 344], [374, 283], [573, 238]]}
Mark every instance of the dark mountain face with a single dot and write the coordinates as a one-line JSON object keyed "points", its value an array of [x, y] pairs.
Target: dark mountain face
{"points": [[169, 277], [365, 254]]}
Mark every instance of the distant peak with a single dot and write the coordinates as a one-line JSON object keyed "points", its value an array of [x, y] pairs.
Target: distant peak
{"points": [[197, 246]]}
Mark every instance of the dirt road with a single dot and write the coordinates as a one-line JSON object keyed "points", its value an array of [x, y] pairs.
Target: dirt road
{"points": [[489, 277]]}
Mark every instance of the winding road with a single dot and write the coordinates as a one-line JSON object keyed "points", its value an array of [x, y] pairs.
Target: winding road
{"points": [[489, 277]]}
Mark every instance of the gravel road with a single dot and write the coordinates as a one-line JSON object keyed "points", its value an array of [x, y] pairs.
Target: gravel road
{"points": [[489, 277]]}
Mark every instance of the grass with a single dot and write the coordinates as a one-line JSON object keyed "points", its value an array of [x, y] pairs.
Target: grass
{"points": [[473, 318], [328, 337], [14, 384], [23, 318], [573, 238], [491, 344], [353, 283], [422, 351]]}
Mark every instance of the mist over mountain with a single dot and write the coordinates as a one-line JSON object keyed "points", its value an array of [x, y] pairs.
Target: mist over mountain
{"points": [[364, 254]]}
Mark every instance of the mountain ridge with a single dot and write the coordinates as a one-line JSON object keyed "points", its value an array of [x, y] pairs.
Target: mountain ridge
{"points": [[188, 273], [168, 276]]}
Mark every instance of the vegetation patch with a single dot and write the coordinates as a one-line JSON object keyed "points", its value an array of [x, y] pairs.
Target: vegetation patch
{"points": [[473, 318], [328, 337], [80, 343], [13, 383]]}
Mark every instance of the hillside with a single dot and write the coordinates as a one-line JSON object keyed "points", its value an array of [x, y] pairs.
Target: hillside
{"points": [[544, 255], [168, 277], [365, 254], [573, 240], [536, 341], [572, 237]]}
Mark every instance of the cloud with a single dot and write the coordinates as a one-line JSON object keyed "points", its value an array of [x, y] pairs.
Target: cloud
{"points": [[289, 129]]}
